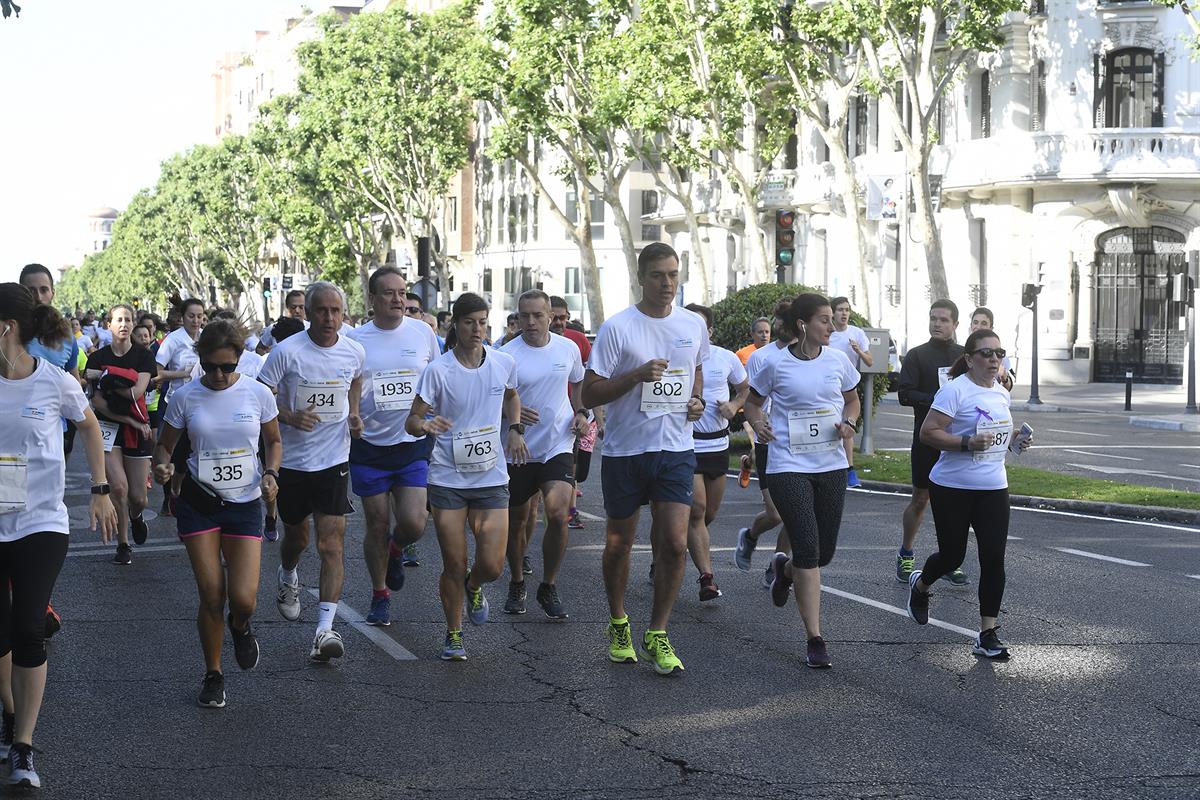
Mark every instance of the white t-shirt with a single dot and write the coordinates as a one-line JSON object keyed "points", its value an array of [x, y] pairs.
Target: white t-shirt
{"points": [[103, 337], [32, 466], [651, 417], [840, 340], [722, 368], [395, 361], [471, 454], [249, 365], [543, 376], [973, 409], [224, 427], [758, 360], [305, 374], [177, 353], [806, 404]]}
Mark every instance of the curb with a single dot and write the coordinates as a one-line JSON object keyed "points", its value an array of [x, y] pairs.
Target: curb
{"points": [[1165, 424], [1138, 422], [1182, 516]]}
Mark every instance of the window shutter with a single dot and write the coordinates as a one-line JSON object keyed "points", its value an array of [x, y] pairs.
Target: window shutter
{"points": [[1156, 113], [1099, 89], [985, 104]]}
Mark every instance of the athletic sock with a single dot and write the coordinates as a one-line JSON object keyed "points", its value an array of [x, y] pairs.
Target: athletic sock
{"points": [[380, 593], [905, 553], [288, 576], [622, 621], [393, 550], [325, 618]]}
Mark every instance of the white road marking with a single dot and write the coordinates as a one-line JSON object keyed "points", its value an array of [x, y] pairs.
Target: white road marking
{"points": [[1117, 446], [1191, 466], [937, 623], [592, 517], [1102, 455], [111, 548], [896, 430], [385, 643], [1016, 538], [1100, 557], [1123, 471], [1197, 577], [1078, 433]]}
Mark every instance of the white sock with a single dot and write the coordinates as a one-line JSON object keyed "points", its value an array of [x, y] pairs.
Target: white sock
{"points": [[288, 576], [325, 619]]}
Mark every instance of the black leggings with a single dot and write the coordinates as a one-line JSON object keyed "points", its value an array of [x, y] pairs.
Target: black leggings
{"points": [[810, 505], [955, 512], [31, 566]]}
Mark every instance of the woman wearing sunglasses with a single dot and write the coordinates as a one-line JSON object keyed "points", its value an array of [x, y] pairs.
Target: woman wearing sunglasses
{"points": [[971, 424], [220, 502]]}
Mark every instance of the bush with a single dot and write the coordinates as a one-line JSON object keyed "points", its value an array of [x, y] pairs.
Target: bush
{"points": [[733, 316]]}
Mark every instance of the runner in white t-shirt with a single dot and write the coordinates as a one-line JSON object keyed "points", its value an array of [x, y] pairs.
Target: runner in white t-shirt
{"points": [[982, 318], [389, 468], [813, 394], [176, 356], [219, 512], [549, 371], [853, 343], [970, 423], [34, 525], [470, 391], [646, 366], [317, 379]]}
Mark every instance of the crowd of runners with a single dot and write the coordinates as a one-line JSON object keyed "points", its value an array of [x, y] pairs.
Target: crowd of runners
{"points": [[267, 436]]}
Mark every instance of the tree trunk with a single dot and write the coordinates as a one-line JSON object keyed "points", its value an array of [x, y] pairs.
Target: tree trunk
{"points": [[756, 248], [612, 197], [364, 266], [930, 234], [591, 278], [853, 216], [699, 251]]}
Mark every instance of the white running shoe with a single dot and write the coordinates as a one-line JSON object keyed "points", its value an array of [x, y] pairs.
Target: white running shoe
{"points": [[288, 600], [326, 645]]}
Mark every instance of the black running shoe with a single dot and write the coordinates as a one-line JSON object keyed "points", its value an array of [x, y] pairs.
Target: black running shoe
{"points": [[526, 565], [547, 597], [918, 601], [818, 654], [988, 645], [394, 579], [515, 604], [7, 730], [245, 645], [270, 529], [781, 584], [124, 555], [212, 694], [139, 529]]}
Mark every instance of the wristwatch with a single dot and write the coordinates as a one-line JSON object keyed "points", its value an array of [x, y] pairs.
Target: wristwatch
{"points": [[101, 488], [272, 473], [966, 442], [518, 427]]}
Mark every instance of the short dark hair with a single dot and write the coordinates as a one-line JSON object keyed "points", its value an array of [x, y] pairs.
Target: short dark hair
{"points": [[285, 327], [514, 317], [703, 311], [218, 334], [653, 253], [442, 316], [963, 363], [534, 294], [466, 303], [373, 281], [293, 293], [987, 312], [34, 269], [802, 309], [417, 297], [191, 301], [558, 302], [837, 301], [948, 305]]}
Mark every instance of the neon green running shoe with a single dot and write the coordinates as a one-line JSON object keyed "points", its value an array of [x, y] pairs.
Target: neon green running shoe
{"points": [[904, 567], [620, 642], [657, 647]]}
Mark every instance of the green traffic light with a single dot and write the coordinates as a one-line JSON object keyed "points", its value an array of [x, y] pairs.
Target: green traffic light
{"points": [[784, 256]]}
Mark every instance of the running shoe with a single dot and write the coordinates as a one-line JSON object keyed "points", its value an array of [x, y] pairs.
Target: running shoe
{"points": [[327, 644], [904, 567], [852, 479], [781, 584], [620, 643], [769, 574], [288, 600], [53, 621], [245, 645], [657, 647], [212, 693], [956, 578], [452, 648], [918, 601], [380, 613], [988, 645], [744, 474], [575, 522], [708, 588], [515, 604], [744, 551], [124, 555], [7, 729], [138, 529], [411, 556], [271, 529], [395, 569], [477, 604], [547, 597], [20, 767], [818, 654], [526, 565]]}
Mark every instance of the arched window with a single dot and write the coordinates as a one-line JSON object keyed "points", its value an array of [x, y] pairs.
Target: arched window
{"points": [[1129, 89]]}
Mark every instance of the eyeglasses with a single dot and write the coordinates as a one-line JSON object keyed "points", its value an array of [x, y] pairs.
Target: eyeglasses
{"points": [[412, 309], [988, 352], [226, 369]]}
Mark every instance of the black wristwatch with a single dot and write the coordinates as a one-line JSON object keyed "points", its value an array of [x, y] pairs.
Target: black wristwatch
{"points": [[966, 442], [101, 488], [272, 473], [518, 427]]}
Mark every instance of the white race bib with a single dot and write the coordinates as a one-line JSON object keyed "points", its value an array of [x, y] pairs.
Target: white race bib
{"points": [[476, 450], [108, 434], [943, 376], [668, 394], [329, 399], [14, 486], [228, 472], [394, 389], [1001, 432], [812, 431]]}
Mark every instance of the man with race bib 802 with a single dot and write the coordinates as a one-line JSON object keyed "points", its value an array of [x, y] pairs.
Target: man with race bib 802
{"points": [[389, 467], [646, 367], [317, 378]]}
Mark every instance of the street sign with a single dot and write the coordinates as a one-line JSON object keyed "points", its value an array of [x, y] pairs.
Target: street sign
{"points": [[880, 339], [775, 192]]}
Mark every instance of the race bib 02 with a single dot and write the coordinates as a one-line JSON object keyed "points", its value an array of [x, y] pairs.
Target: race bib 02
{"points": [[813, 431], [670, 393], [328, 399], [394, 389], [228, 472], [108, 434], [14, 483]]}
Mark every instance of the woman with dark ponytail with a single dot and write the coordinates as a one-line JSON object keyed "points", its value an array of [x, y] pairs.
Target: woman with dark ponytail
{"points": [[34, 524]]}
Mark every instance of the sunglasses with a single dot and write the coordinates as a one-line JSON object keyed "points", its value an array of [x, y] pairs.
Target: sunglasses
{"points": [[988, 352], [226, 369], [412, 310]]}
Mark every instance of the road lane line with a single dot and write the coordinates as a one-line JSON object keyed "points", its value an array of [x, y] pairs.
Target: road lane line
{"points": [[1197, 577], [1078, 433], [96, 551], [866, 601], [1100, 557], [1102, 455], [896, 430], [385, 643], [592, 517], [1191, 466]]}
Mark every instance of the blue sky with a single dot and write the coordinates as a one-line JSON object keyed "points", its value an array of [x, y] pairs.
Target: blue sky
{"points": [[94, 94]]}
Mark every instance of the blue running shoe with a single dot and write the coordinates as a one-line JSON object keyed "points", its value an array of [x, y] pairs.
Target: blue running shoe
{"points": [[381, 612], [271, 529], [852, 479], [412, 558], [453, 649], [395, 571], [477, 604]]}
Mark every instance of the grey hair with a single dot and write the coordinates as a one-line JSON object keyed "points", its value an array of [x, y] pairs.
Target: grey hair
{"points": [[311, 290], [760, 319]]}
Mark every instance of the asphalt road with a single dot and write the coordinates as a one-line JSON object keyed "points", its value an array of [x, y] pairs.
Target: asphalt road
{"points": [[1103, 446], [1097, 702]]}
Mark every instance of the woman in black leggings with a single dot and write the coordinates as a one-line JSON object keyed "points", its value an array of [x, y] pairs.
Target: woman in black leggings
{"points": [[970, 422], [34, 395], [813, 400]]}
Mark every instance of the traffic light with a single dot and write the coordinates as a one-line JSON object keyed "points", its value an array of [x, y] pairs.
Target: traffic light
{"points": [[785, 242], [287, 282], [1029, 293], [266, 290], [424, 256]]}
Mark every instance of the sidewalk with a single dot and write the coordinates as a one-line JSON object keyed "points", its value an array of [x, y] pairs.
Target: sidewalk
{"points": [[1153, 406]]}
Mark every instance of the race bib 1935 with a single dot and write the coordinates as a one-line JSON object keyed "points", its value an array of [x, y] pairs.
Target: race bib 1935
{"points": [[394, 389]]}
